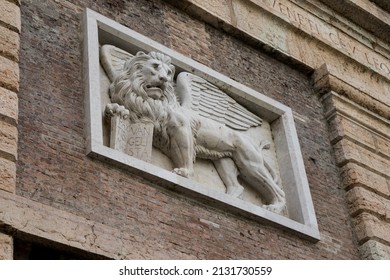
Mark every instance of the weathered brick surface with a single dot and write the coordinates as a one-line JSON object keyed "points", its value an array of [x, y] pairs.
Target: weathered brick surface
{"points": [[9, 105], [7, 175], [9, 43], [9, 74], [10, 15], [8, 140], [158, 222], [6, 247]]}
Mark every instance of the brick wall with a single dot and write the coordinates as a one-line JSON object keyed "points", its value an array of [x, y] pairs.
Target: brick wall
{"points": [[53, 170], [9, 86]]}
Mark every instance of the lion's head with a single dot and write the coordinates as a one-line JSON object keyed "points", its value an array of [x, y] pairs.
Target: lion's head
{"points": [[145, 87]]}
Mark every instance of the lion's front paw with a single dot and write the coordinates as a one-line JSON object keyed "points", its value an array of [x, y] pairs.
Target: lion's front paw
{"points": [[277, 208], [182, 172], [235, 190], [116, 109]]}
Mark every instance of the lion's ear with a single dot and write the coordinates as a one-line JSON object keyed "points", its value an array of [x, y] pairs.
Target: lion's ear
{"points": [[140, 53], [172, 69]]}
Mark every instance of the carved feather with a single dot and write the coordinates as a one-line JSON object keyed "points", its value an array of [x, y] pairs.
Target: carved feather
{"points": [[113, 58], [210, 102], [194, 92]]}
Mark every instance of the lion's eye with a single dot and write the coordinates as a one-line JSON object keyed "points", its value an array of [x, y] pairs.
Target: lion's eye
{"points": [[155, 66]]}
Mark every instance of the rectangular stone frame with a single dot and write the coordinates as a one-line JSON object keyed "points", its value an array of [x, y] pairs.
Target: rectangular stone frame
{"points": [[101, 30]]}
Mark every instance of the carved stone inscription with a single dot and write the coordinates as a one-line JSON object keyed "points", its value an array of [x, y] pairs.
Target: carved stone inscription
{"points": [[134, 139], [328, 34]]}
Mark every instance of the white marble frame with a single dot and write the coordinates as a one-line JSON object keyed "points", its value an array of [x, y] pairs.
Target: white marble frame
{"points": [[302, 220]]}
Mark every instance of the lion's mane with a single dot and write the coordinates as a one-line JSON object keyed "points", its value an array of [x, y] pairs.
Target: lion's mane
{"points": [[128, 90]]}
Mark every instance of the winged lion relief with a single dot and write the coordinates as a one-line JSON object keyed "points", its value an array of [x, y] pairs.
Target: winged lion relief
{"points": [[191, 119]]}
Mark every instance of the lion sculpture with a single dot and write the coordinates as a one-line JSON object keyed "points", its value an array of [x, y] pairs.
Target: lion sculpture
{"points": [[206, 123]]}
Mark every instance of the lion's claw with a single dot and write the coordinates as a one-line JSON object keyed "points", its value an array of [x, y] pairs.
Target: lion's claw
{"points": [[276, 207], [116, 109], [182, 172]]}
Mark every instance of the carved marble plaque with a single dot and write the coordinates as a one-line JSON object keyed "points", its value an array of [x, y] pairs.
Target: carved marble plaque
{"points": [[134, 139], [208, 136]]}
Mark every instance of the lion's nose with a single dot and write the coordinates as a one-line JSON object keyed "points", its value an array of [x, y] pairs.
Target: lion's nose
{"points": [[163, 78]]}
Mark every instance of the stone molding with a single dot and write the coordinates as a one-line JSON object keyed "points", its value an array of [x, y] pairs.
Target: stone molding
{"points": [[361, 140], [309, 34]]}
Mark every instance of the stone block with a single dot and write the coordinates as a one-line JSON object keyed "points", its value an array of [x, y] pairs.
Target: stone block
{"points": [[217, 8], [360, 199], [359, 114], [8, 140], [6, 247], [10, 15], [353, 174], [9, 73], [374, 250], [9, 43], [343, 127], [348, 151], [382, 145], [9, 104], [371, 227], [7, 175]]}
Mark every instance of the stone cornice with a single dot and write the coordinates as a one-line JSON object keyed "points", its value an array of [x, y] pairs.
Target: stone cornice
{"points": [[310, 34], [324, 81], [372, 17]]}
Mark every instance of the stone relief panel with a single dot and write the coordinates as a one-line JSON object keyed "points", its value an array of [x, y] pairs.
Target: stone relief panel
{"points": [[176, 122], [186, 118]]}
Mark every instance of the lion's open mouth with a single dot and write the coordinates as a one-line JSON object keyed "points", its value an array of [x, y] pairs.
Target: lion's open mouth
{"points": [[153, 91]]}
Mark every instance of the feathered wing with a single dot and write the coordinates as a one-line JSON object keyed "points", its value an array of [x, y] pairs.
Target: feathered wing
{"points": [[113, 58], [193, 92], [211, 102]]}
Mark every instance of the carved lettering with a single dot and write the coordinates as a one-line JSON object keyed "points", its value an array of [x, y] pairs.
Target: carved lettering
{"points": [[328, 34], [134, 139]]}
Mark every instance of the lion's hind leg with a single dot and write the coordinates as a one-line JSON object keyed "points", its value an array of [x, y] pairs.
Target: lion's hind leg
{"points": [[254, 171], [228, 172], [260, 178]]}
